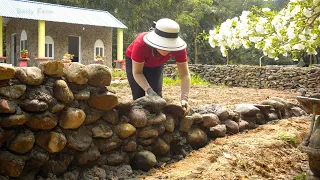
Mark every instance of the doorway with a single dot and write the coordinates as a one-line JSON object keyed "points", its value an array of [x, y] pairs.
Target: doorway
{"points": [[74, 46], [13, 52]]}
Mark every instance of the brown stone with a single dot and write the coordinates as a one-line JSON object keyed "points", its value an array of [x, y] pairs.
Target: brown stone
{"points": [[43, 121], [106, 145], [72, 118], [62, 92], [104, 101], [76, 73], [124, 130], [29, 75], [197, 138], [14, 91], [169, 124], [111, 116], [52, 68], [98, 75], [101, 129], [23, 142], [79, 139], [157, 120], [6, 71], [232, 127], [175, 109], [130, 146], [138, 117], [185, 124], [160, 147], [52, 142], [11, 165], [7, 106], [90, 155], [148, 132], [210, 120], [14, 120]]}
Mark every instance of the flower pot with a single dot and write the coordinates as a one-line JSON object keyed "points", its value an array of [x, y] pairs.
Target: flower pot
{"points": [[24, 55]]}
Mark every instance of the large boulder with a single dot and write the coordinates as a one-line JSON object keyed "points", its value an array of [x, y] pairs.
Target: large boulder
{"points": [[143, 160], [13, 91], [23, 142], [76, 73], [98, 75], [62, 92], [52, 141], [43, 121], [72, 118], [11, 165], [52, 68], [103, 101], [6, 71], [29, 75]]}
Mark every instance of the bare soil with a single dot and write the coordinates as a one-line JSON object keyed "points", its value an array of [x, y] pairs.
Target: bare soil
{"points": [[267, 152]]}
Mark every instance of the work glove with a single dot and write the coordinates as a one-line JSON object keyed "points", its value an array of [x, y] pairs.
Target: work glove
{"points": [[186, 107], [151, 92]]}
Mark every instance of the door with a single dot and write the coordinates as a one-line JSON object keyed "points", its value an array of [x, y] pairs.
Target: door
{"points": [[74, 48], [13, 51]]}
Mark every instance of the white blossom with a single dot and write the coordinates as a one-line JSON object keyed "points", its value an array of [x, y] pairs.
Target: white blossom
{"points": [[298, 47]]}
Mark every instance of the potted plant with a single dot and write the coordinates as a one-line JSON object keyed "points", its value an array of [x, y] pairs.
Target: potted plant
{"points": [[98, 59], [67, 58], [24, 53]]}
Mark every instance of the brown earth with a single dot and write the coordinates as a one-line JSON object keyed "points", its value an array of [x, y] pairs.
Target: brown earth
{"points": [[267, 152]]}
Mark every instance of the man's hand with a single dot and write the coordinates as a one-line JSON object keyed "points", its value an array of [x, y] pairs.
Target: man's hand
{"points": [[185, 106], [151, 92]]}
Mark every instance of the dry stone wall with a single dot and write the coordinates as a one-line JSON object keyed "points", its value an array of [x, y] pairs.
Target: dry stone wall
{"points": [[61, 121], [272, 77]]}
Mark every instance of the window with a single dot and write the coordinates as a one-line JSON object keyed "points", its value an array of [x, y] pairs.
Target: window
{"points": [[49, 47], [99, 48], [23, 41]]}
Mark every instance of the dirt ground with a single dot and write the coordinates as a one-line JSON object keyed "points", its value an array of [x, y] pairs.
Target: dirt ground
{"points": [[267, 152]]}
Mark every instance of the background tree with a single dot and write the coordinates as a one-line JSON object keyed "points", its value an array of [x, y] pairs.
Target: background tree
{"points": [[196, 18]]}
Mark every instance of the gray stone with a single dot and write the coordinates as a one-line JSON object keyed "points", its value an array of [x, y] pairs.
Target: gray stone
{"points": [[29, 75], [143, 160], [76, 73], [14, 91]]}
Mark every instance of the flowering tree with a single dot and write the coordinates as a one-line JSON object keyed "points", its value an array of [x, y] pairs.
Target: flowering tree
{"points": [[290, 32]]}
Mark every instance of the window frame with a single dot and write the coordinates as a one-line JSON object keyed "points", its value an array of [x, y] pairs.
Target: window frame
{"points": [[23, 40], [100, 46], [49, 41]]}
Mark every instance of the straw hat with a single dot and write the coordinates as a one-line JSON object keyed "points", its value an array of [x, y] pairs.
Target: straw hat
{"points": [[165, 36]]}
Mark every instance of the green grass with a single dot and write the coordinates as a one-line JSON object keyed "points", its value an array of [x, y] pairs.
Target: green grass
{"points": [[288, 138], [302, 176], [118, 73], [195, 80]]}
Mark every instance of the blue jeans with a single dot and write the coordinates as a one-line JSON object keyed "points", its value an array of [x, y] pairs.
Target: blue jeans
{"points": [[154, 77]]}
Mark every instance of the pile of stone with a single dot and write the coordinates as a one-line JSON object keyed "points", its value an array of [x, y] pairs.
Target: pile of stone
{"points": [[61, 121]]}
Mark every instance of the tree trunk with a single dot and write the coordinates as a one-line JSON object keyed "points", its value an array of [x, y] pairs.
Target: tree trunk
{"points": [[196, 51]]}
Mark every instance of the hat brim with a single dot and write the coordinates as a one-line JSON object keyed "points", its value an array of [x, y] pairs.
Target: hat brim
{"points": [[167, 44]]}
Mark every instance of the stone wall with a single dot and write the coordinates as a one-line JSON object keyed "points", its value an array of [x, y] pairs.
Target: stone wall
{"points": [[62, 121], [59, 32], [272, 77]]}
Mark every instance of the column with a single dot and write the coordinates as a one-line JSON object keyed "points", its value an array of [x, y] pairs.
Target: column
{"points": [[41, 38], [1, 35], [119, 44]]}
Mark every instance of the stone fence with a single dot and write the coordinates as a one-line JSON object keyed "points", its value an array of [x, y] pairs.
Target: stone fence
{"points": [[62, 121], [272, 77]]}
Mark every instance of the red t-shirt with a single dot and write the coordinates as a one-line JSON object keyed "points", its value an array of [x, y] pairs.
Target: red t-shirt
{"points": [[139, 51]]}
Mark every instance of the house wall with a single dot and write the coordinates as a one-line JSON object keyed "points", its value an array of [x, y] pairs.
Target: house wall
{"points": [[59, 32]]}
